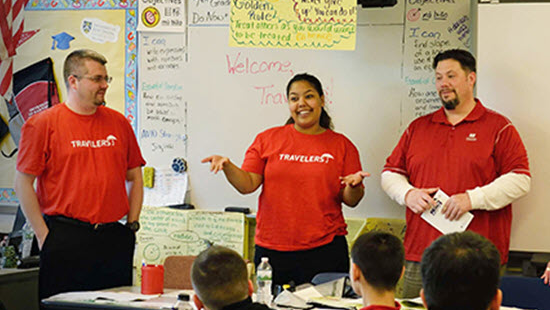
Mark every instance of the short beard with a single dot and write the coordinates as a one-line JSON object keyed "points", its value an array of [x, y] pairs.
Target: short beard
{"points": [[451, 104]]}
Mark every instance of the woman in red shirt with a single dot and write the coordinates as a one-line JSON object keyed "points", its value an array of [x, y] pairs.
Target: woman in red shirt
{"points": [[306, 171]]}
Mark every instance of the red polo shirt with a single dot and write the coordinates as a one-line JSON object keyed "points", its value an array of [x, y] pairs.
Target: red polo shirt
{"points": [[472, 153]]}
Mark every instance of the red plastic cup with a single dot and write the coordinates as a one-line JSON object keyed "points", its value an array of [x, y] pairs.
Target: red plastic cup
{"points": [[152, 279]]}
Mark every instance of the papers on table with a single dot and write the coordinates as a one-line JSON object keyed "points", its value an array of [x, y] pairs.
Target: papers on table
{"points": [[287, 299], [435, 217], [324, 295], [126, 297], [102, 296]]}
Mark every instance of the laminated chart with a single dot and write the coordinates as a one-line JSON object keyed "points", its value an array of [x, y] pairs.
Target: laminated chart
{"points": [[295, 24]]}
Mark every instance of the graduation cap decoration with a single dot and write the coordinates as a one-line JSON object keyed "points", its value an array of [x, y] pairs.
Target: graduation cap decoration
{"points": [[62, 41]]}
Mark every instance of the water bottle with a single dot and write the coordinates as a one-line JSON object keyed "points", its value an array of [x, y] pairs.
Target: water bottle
{"points": [[182, 303], [27, 235], [3, 246], [264, 276]]}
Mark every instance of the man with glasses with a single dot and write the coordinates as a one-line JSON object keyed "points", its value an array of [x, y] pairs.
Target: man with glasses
{"points": [[87, 164]]}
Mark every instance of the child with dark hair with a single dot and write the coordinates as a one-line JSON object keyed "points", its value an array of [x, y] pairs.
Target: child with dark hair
{"points": [[461, 271], [377, 264]]}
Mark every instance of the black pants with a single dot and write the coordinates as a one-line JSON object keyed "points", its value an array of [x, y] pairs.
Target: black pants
{"points": [[301, 266], [79, 257]]}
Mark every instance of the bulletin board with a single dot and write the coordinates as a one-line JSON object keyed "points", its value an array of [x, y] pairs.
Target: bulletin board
{"points": [[166, 231], [53, 29]]}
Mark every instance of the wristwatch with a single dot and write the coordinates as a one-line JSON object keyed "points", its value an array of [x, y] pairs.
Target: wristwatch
{"points": [[134, 226]]}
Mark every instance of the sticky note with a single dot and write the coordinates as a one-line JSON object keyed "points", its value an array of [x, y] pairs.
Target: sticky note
{"points": [[148, 177]]}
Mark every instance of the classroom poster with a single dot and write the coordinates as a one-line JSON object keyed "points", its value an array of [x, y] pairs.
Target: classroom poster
{"points": [[201, 12], [329, 25], [166, 231], [429, 29], [162, 16], [163, 109], [102, 31]]}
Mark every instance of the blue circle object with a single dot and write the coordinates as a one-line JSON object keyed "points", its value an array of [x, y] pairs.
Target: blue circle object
{"points": [[179, 165]]}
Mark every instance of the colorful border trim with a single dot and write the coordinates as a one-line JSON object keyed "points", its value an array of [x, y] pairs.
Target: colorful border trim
{"points": [[39, 5], [130, 70], [7, 195]]}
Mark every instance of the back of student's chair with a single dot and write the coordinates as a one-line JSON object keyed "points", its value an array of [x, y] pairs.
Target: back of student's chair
{"points": [[177, 272], [525, 293], [325, 277]]}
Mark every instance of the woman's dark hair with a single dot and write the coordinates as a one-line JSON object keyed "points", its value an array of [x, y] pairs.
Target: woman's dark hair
{"points": [[325, 121]]}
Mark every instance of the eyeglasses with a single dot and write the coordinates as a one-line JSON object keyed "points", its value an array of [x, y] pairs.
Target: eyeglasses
{"points": [[96, 79]]}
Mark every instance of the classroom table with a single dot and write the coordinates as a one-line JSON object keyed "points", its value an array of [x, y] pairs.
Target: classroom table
{"points": [[159, 301], [19, 288], [164, 301]]}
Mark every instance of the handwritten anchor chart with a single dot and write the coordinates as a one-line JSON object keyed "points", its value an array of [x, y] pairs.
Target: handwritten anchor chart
{"points": [[330, 25], [429, 29], [163, 118], [166, 232]]}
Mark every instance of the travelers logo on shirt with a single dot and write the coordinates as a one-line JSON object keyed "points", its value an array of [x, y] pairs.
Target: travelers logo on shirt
{"points": [[471, 137], [108, 142], [307, 158]]}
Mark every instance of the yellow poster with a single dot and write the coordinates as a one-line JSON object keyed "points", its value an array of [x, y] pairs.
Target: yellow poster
{"points": [[297, 24], [54, 34], [106, 37]]}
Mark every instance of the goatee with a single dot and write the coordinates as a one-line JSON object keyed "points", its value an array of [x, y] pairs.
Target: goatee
{"points": [[450, 104]]}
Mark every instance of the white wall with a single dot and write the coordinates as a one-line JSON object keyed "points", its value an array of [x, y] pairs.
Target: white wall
{"points": [[513, 66]]}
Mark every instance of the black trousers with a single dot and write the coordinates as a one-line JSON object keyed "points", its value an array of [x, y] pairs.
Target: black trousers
{"points": [[80, 257], [301, 266]]}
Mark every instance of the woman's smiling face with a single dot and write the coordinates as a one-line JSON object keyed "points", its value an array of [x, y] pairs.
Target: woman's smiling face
{"points": [[305, 105]]}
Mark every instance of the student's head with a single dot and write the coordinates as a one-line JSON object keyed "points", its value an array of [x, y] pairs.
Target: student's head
{"points": [[306, 102], [377, 259], [455, 77], [219, 278], [461, 271], [86, 76]]}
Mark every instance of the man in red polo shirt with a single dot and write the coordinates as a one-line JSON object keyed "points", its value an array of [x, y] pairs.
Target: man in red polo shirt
{"points": [[473, 154]]}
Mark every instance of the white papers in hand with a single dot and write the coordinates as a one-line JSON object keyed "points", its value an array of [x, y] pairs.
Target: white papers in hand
{"points": [[434, 216]]}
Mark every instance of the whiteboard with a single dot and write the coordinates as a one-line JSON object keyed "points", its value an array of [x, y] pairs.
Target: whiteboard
{"points": [[232, 94], [227, 109], [513, 44]]}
